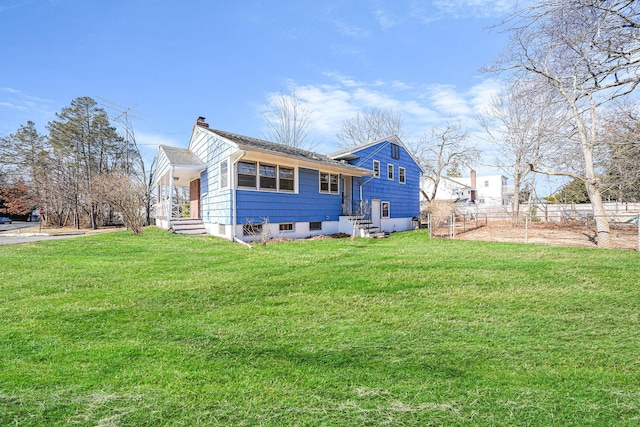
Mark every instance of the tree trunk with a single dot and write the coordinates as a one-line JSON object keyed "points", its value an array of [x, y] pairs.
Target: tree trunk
{"points": [[515, 215], [603, 229]]}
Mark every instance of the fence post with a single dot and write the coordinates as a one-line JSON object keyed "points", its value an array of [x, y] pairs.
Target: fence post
{"points": [[526, 227], [429, 223], [638, 224], [453, 226]]}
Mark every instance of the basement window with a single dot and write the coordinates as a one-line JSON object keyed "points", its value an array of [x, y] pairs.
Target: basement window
{"points": [[315, 226], [286, 226], [251, 229]]}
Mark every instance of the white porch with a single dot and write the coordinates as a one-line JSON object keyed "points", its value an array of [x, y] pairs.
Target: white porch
{"points": [[178, 185]]}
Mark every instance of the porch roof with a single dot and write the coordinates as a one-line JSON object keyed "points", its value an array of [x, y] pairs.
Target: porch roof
{"points": [[185, 164]]}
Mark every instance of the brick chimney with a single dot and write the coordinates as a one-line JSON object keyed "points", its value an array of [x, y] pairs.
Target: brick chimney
{"points": [[474, 192], [201, 122]]}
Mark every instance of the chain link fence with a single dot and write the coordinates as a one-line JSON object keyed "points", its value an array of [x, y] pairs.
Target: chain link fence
{"points": [[541, 221]]}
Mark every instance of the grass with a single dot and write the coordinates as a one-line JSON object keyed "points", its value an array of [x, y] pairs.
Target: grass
{"points": [[162, 329]]}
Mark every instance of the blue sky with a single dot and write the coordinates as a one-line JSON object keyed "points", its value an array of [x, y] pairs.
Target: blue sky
{"points": [[172, 61]]}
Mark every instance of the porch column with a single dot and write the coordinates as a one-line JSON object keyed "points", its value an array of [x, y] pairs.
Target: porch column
{"points": [[170, 213]]}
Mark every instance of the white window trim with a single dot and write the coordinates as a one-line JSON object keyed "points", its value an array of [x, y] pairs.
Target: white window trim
{"points": [[390, 168], [320, 183], [293, 227], [382, 210], [295, 180], [269, 190], [277, 178], [376, 175], [220, 187], [402, 177], [237, 175]]}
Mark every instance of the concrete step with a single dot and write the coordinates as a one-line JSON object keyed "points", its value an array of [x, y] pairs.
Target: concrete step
{"points": [[188, 226]]}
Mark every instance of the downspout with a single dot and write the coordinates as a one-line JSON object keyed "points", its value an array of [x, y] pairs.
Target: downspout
{"points": [[234, 195], [363, 184]]}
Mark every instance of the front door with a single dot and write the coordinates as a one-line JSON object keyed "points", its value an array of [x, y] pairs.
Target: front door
{"points": [[347, 203], [375, 213], [194, 199]]}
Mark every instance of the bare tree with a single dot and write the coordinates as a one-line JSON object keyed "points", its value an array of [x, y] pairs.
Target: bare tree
{"points": [[288, 121], [588, 53], [443, 152], [125, 194], [138, 166], [376, 124], [621, 136], [522, 122]]}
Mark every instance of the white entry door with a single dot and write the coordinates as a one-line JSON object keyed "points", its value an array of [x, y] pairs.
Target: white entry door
{"points": [[375, 212]]}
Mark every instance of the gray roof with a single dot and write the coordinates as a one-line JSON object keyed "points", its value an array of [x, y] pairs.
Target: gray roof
{"points": [[247, 142], [181, 156], [353, 149]]}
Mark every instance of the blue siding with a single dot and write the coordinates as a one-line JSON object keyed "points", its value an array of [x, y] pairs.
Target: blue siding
{"points": [[305, 206], [215, 203], [404, 199]]}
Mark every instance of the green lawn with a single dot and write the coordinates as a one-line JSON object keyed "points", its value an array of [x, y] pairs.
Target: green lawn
{"points": [[162, 329]]}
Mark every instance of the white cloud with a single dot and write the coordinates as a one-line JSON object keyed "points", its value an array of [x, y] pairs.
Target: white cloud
{"points": [[148, 139], [16, 99], [386, 19], [460, 9], [422, 107], [351, 30], [448, 101], [482, 94], [21, 107]]}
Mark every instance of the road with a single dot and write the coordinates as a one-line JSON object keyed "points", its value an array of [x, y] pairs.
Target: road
{"points": [[16, 232]]}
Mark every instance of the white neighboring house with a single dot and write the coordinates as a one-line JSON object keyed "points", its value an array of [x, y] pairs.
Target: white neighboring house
{"points": [[450, 189], [490, 190]]}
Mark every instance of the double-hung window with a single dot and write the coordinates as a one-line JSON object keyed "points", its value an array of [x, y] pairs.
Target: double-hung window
{"points": [[402, 175], [262, 176], [384, 209], [287, 177], [376, 168], [268, 179], [329, 183], [247, 174], [390, 171]]}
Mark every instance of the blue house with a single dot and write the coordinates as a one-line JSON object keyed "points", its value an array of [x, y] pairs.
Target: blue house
{"points": [[246, 188]]}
